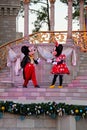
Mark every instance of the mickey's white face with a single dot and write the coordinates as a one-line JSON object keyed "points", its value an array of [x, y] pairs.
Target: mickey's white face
{"points": [[32, 50]]}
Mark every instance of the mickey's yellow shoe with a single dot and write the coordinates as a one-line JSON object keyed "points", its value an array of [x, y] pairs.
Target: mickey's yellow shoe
{"points": [[60, 86], [52, 86]]}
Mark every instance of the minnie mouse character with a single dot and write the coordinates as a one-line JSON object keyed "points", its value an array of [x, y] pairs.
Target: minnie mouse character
{"points": [[59, 66], [28, 66]]}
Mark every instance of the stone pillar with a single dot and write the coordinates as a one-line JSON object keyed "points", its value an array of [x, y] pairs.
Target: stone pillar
{"points": [[85, 18], [8, 12], [26, 17], [66, 123], [52, 14], [69, 33], [81, 15]]}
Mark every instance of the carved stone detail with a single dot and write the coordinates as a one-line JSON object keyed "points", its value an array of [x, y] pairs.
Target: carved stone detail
{"points": [[9, 10]]}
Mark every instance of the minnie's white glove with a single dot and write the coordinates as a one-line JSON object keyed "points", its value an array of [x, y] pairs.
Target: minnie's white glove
{"points": [[54, 63]]}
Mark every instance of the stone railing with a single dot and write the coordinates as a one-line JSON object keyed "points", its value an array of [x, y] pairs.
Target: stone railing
{"points": [[39, 122], [28, 122], [79, 38]]}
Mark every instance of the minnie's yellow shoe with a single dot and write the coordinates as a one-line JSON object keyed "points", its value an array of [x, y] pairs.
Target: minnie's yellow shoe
{"points": [[52, 86], [60, 86]]}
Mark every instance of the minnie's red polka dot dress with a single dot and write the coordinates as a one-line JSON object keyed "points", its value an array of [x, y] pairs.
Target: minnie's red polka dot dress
{"points": [[60, 68]]}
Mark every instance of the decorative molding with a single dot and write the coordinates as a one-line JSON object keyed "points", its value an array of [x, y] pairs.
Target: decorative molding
{"points": [[52, 1], [26, 1], [7, 10]]}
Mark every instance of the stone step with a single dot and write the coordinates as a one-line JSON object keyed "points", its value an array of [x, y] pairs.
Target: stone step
{"points": [[83, 56], [78, 85], [81, 77], [11, 88], [82, 73], [83, 68], [82, 59], [43, 94], [81, 81], [10, 84], [6, 84], [83, 64]]}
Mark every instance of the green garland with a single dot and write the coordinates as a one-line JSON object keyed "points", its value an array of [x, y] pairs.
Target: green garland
{"points": [[51, 109]]}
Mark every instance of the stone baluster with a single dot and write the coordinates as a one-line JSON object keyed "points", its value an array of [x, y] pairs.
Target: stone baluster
{"points": [[0, 11], [11, 11], [5, 11]]}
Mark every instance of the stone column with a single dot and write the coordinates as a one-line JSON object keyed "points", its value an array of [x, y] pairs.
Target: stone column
{"points": [[26, 17], [81, 15], [69, 33], [52, 14], [85, 18]]}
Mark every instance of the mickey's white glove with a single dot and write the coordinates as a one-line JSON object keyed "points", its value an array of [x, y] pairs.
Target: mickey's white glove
{"points": [[49, 61], [38, 60]]}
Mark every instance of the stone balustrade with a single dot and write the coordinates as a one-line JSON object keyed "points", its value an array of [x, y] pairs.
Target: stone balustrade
{"points": [[16, 122]]}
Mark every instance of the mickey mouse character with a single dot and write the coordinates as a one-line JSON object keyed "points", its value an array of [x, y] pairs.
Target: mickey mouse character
{"points": [[28, 66], [59, 66]]}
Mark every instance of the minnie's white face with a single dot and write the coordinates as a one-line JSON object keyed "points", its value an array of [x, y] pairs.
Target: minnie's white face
{"points": [[54, 51]]}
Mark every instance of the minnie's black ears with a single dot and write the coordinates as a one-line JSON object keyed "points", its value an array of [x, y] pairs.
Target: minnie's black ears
{"points": [[59, 49]]}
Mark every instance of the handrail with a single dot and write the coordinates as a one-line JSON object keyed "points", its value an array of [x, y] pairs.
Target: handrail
{"points": [[79, 38], [32, 38]]}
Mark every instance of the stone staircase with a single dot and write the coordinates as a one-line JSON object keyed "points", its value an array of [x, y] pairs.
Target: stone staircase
{"points": [[81, 79], [75, 92]]}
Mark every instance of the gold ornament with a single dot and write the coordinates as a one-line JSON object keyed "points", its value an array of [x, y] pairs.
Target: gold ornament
{"points": [[2, 108], [76, 111]]}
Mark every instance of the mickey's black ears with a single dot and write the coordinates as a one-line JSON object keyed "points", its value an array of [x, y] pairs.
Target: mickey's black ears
{"points": [[25, 50]]}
